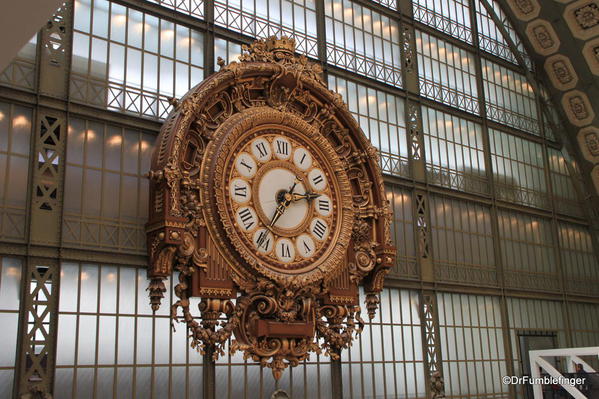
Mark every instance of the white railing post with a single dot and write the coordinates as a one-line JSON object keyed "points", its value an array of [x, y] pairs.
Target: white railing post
{"points": [[535, 372]]}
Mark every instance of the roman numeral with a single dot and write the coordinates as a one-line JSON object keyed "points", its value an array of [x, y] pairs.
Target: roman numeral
{"points": [[246, 165], [324, 205], [246, 218], [307, 248], [285, 251], [240, 191], [317, 179], [319, 229], [282, 147], [302, 160], [262, 150], [266, 244], [263, 240]]}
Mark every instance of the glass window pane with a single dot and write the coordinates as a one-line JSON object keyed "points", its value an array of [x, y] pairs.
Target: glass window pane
{"points": [[446, 73], [123, 71], [10, 283], [376, 31], [270, 17], [518, 169], [449, 16], [454, 151], [376, 112], [510, 98]]}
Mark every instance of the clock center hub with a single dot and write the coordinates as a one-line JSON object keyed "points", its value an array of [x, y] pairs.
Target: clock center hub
{"points": [[274, 185]]}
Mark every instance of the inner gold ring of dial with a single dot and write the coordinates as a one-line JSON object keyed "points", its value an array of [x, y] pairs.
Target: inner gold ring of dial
{"points": [[258, 201]]}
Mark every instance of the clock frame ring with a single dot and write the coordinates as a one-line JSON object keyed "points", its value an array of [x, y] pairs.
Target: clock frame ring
{"points": [[245, 126]]}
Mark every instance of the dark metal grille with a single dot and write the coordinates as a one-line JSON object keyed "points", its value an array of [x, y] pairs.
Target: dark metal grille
{"points": [[533, 317], [111, 345], [566, 199], [227, 50], [239, 378], [577, 252], [195, 8], [402, 232], [528, 252], [585, 327], [462, 241], [510, 98], [491, 40], [387, 360]]}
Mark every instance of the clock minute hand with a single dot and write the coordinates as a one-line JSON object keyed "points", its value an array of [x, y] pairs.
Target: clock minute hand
{"points": [[279, 211], [281, 207], [297, 180], [284, 202]]}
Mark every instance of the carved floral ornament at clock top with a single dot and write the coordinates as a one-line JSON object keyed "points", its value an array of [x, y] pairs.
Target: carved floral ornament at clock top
{"points": [[267, 199]]}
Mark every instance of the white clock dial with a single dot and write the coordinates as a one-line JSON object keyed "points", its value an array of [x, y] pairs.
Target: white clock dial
{"points": [[273, 182], [305, 246], [285, 250], [280, 227], [263, 240], [323, 205], [245, 165], [261, 150], [317, 179], [240, 190], [282, 147], [246, 218], [302, 158], [319, 229]]}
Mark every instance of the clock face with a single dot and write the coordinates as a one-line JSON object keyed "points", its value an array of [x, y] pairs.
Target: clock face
{"points": [[282, 199]]}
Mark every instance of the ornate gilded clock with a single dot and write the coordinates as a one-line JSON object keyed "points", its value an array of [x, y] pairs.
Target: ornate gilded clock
{"points": [[282, 196], [284, 200], [268, 200]]}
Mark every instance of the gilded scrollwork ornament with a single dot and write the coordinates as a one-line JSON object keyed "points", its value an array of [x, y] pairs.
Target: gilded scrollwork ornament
{"points": [[338, 326], [211, 331]]}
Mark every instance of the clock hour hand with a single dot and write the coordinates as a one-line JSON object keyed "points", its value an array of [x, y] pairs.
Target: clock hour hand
{"points": [[297, 180], [309, 196]]}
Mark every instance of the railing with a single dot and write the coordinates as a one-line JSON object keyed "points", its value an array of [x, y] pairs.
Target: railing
{"points": [[539, 363]]}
